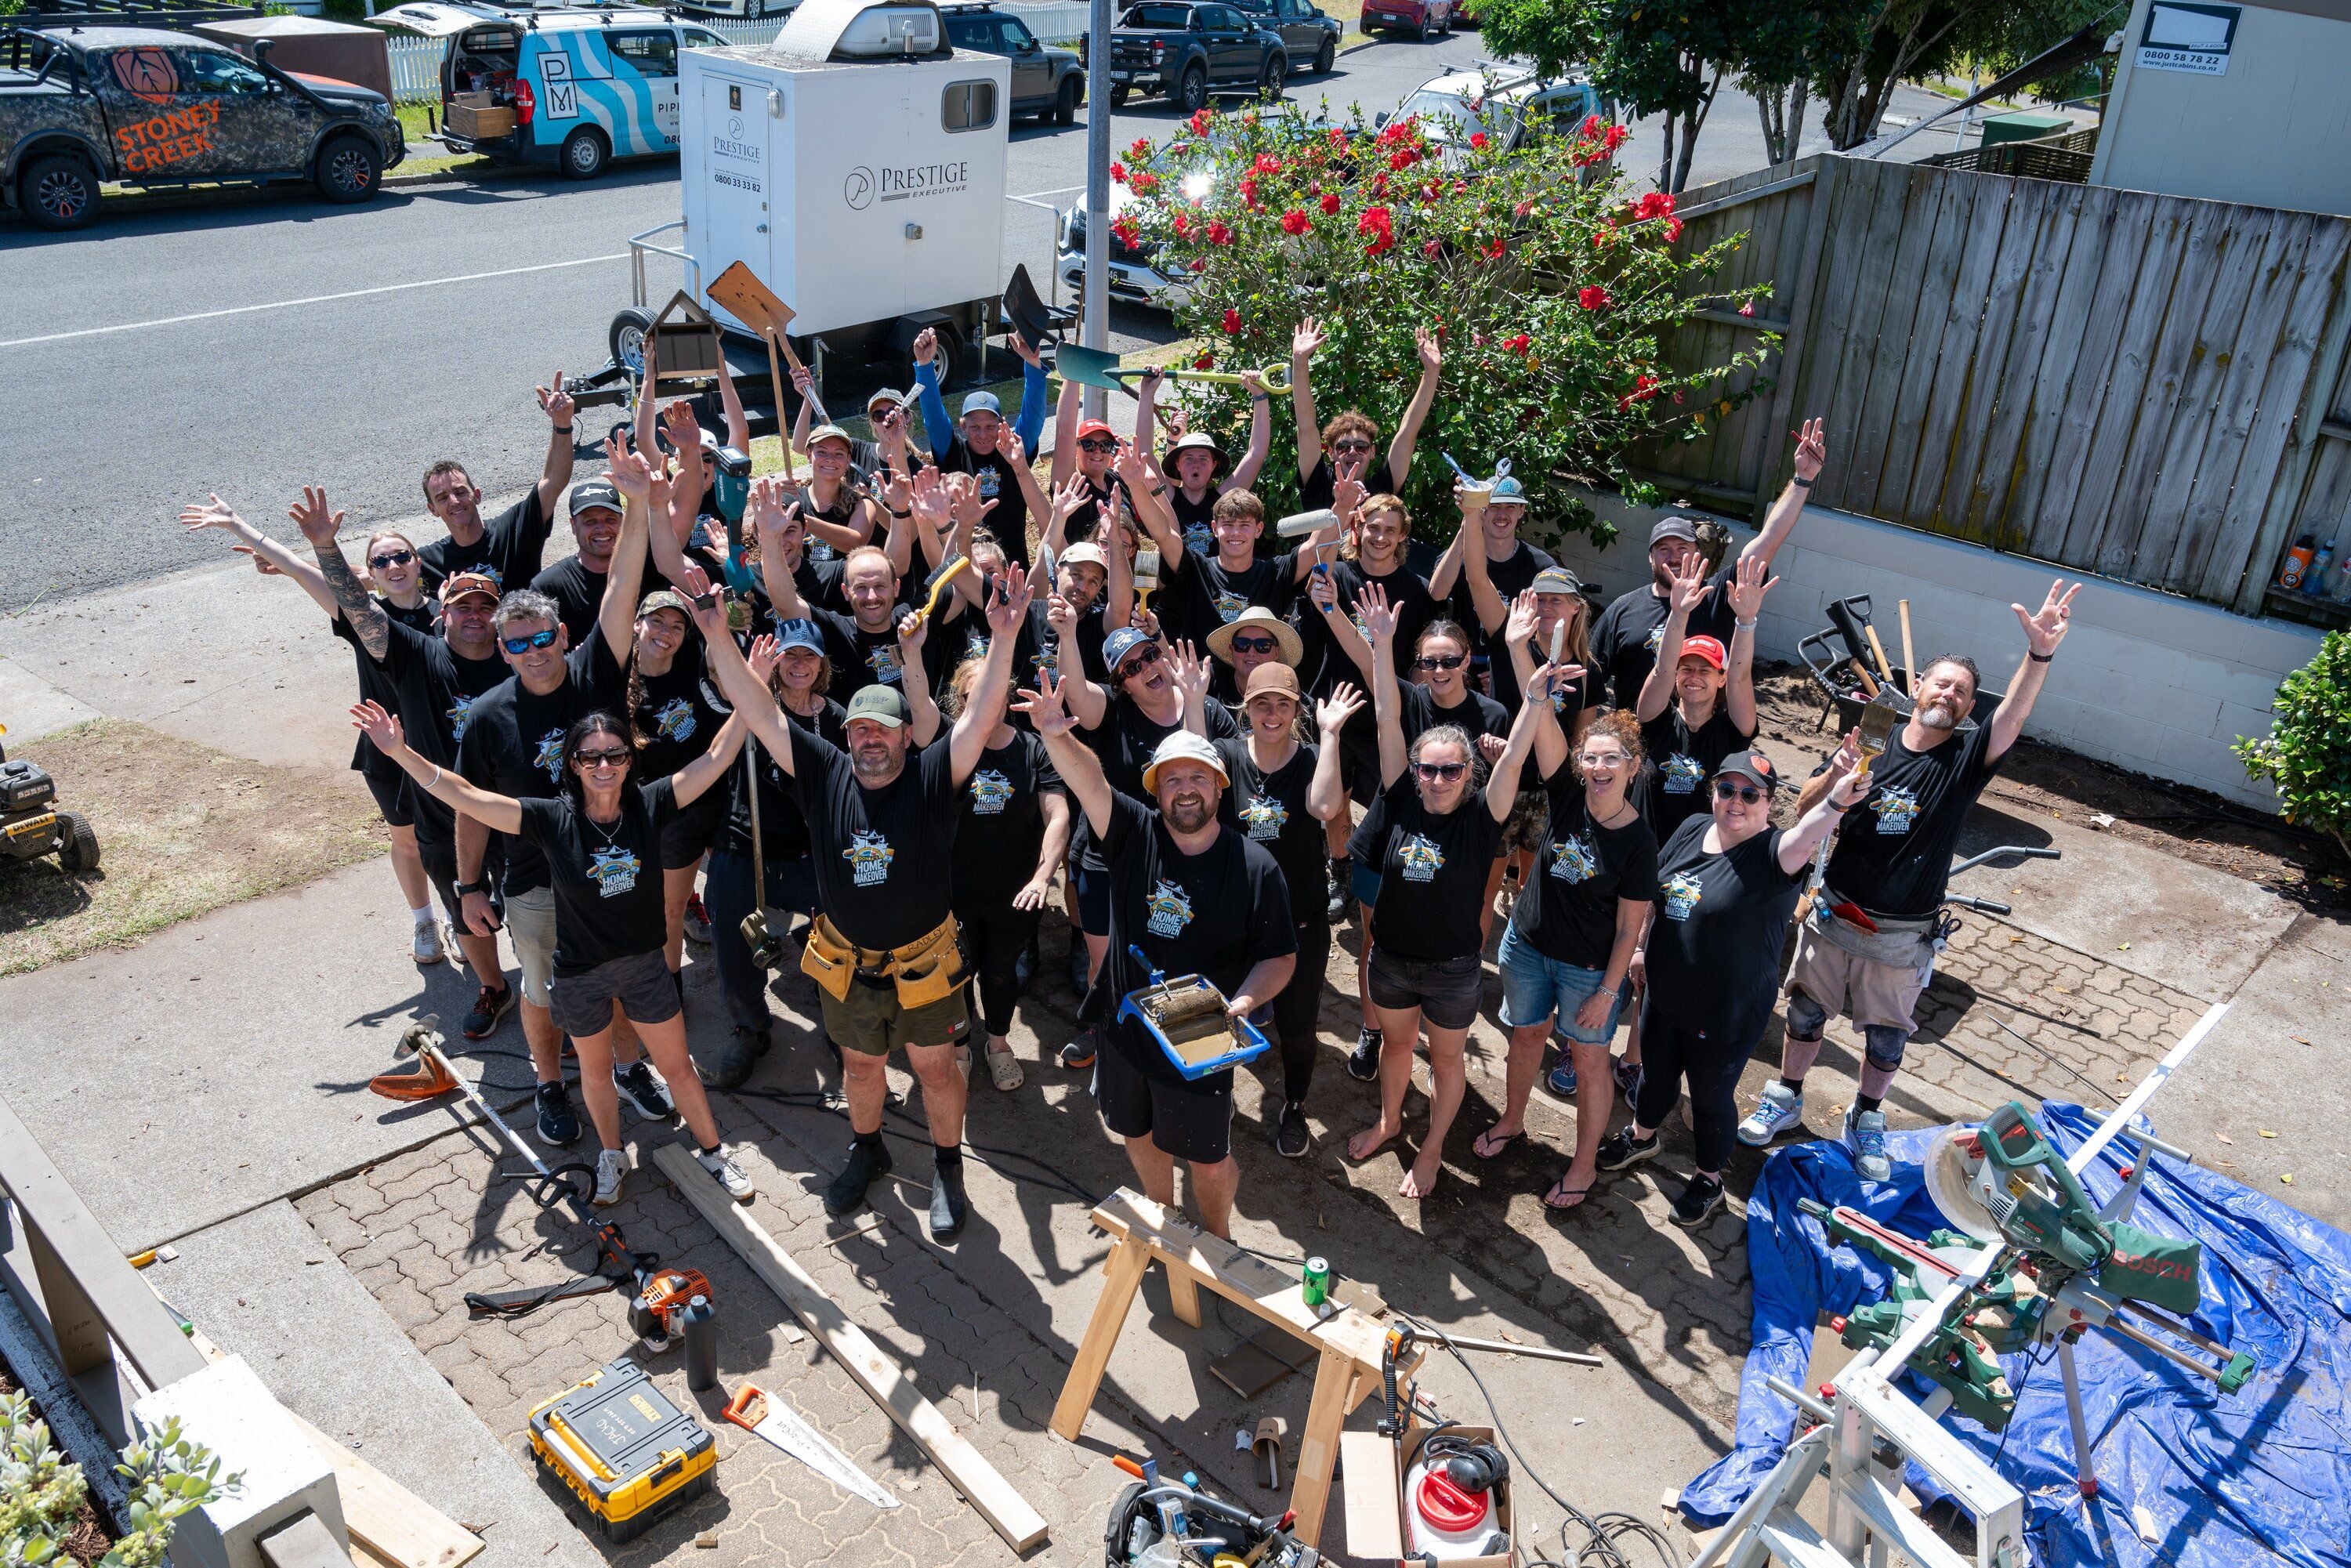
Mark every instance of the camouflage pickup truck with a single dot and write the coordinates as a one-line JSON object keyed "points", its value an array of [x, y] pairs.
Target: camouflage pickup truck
{"points": [[82, 106]]}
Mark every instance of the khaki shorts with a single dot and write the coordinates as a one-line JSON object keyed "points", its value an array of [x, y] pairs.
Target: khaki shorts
{"points": [[870, 1021], [530, 926], [1868, 992]]}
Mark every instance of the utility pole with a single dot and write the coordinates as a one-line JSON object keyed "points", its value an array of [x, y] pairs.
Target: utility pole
{"points": [[1094, 328]]}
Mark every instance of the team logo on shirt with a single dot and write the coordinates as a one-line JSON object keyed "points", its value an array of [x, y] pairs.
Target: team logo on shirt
{"points": [[461, 714], [1656, 639], [868, 856], [1171, 909], [675, 720], [1682, 893], [1047, 663], [614, 870], [1682, 775], [1897, 808], [974, 642], [882, 660], [1263, 817], [1419, 859], [1200, 536], [550, 754], [988, 482], [1573, 859], [990, 792], [1229, 607]]}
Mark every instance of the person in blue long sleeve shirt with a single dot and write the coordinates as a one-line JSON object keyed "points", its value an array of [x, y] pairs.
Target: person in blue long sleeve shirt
{"points": [[984, 446]]}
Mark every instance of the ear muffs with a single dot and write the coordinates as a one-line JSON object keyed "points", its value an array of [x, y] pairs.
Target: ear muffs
{"points": [[1474, 1467]]}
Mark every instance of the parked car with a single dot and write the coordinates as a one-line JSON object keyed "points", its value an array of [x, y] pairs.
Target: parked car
{"points": [[750, 10], [1045, 80], [571, 88], [1422, 18], [1186, 50], [83, 106], [1507, 105], [1307, 34]]}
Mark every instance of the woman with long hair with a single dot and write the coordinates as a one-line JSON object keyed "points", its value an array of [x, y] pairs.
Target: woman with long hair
{"points": [[600, 836]]}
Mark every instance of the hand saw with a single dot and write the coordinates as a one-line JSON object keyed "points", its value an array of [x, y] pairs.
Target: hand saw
{"points": [[753, 1410]]}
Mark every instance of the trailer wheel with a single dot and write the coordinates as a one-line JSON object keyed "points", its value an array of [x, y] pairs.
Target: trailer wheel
{"points": [[1065, 105], [627, 338], [77, 843], [58, 191], [1192, 93], [585, 153]]}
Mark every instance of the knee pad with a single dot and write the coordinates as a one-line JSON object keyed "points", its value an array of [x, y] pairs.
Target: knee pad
{"points": [[1807, 1018], [1883, 1043]]}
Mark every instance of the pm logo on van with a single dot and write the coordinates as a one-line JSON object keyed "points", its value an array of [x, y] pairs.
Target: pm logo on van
{"points": [[562, 92], [858, 189]]}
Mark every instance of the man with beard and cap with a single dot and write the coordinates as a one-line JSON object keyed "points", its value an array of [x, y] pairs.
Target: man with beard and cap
{"points": [[577, 585], [1624, 639], [1892, 863], [1194, 897], [881, 818]]}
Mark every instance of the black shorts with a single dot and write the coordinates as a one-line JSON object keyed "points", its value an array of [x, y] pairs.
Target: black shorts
{"points": [[693, 830], [391, 788], [1191, 1122], [1446, 990]]}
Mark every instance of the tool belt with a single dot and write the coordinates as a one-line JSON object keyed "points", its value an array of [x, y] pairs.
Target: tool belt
{"points": [[923, 971], [1903, 943]]}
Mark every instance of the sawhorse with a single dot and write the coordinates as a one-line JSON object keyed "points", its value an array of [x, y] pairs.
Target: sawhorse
{"points": [[1350, 1343]]}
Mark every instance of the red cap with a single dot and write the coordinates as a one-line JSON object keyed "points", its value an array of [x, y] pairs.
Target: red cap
{"points": [[1706, 648], [1095, 427]]}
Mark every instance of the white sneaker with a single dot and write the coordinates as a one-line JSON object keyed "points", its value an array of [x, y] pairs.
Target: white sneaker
{"points": [[729, 1175], [1780, 1109], [427, 945], [1865, 1135], [610, 1166]]}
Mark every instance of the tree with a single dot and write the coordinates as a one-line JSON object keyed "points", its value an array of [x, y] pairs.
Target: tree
{"points": [[2307, 755], [1869, 45]]}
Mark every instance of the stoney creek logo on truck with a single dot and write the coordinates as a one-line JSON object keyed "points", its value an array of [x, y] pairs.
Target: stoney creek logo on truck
{"points": [[167, 138], [899, 184]]}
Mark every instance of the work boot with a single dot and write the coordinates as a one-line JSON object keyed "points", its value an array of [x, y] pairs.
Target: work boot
{"points": [[868, 1160], [949, 1209], [1865, 1135], [611, 1165], [1620, 1149], [731, 1068], [1780, 1109], [558, 1123], [644, 1091], [1364, 1062], [1697, 1200]]}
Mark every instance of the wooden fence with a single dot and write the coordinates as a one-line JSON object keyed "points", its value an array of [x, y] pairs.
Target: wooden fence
{"points": [[2115, 381]]}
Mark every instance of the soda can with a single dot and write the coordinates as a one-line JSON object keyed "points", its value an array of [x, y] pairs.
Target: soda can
{"points": [[1318, 1281]]}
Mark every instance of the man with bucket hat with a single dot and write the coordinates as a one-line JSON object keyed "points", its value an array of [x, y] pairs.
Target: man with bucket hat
{"points": [[1196, 468]]}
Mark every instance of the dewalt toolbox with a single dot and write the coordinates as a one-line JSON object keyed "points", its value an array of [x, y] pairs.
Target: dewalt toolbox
{"points": [[620, 1445]]}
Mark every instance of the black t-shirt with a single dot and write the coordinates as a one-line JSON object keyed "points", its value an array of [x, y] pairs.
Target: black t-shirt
{"points": [[1360, 749], [783, 831], [1208, 596], [1893, 854], [1722, 920], [1088, 517], [437, 691], [509, 549], [1433, 874], [1318, 487], [577, 592], [999, 481], [607, 876], [1683, 760], [1003, 822], [1269, 809], [677, 712], [1194, 519], [866, 457], [1567, 701], [1569, 910], [513, 745], [859, 658], [1217, 914], [1044, 648], [1125, 741], [1510, 578], [1624, 639], [885, 858], [1407, 591], [376, 685]]}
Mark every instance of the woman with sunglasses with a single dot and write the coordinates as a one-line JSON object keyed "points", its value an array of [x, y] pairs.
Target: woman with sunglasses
{"points": [[1440, 833], [601, 834], [1698, 707], [1727, 885], [1283, 789]]}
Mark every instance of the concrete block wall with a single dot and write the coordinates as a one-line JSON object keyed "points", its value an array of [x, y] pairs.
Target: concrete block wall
{"points": [[2149, 681]]}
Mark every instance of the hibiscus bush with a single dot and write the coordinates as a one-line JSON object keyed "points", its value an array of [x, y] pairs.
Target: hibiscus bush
{"points": [[1549, 282]]}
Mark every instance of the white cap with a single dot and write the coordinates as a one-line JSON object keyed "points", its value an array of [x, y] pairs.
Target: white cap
{"points": [[1182, 747]]}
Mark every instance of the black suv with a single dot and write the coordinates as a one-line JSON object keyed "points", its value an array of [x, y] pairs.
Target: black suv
{"points": [[1185, 50], [1306, 33], [1044, 80]]}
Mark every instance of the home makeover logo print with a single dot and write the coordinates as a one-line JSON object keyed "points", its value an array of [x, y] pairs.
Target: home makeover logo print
{"points": [[866, 184]]}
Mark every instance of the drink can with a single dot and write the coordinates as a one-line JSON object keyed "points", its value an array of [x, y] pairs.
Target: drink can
{"points": [[1318, 1281]]}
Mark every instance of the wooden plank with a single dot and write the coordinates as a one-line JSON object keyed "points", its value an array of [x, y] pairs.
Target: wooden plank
{"points": [[1795, 353], [2023, 245], [1994, 207], [2022, 389], [1375, 1523], [1922, 230], [1738, 323], [1318, 1445], [1780, 260], [390, 1523], [1006, 1510], [2072, 320], [1122, 1275], [1907, 404], [1869, 264], [1708, 204]]}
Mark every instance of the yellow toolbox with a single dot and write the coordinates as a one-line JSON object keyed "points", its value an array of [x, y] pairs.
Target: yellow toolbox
{"points": [[624, 1449]]}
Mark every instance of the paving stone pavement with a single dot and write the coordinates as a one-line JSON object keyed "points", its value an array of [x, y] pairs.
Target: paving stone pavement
{"points": [[987, 1327]]}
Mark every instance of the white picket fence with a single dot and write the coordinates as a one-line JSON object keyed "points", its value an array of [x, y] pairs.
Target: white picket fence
{"points": [[416, 62]]}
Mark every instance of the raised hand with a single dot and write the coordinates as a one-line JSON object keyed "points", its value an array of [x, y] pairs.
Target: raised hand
{"points": [[1686, 587], [684, 432], [1812, 450], [913, 626], [1191, 671], [1492, 746], [1147, 390], [555, 403], [1020, 346], [1432, 356], [1378, 616], [1010, 447], [1323, 592], [319, 523], [966, 503], [1307, 339], [804, 382], [1519, 626], [932, 504], [630, 475], [1347, 491], [214, 514], [765, 656], [382, 728], [1074, 494], [1179, 420], [1044, 706], [926, 346], [1060, 617], [1332, 713], [1254, 384], [709, 605], [1006, 609], [2045, 628], [1748, 586], [1129, 466]]}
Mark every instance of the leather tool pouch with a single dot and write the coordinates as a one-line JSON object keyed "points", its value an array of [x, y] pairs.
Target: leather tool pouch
{"points": [[828, 960], [929, 969]]}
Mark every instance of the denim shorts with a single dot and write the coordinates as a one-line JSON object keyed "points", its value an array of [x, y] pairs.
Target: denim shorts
{"points": [[1535, 988]]}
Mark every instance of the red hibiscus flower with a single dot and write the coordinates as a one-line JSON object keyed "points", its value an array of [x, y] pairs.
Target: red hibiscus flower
{"points": [[1497, 249], [1432, 250], [1267, 163], [1144, 183], [1592, 296], [1748, 308], [1199, 264], [1377, 224], [1219, 235], [1232, 323], [1204, 362], [1403, 158], [1478, 139], [1615, 137], [1516, 345], [1182, 226], [1118, 174], [1644, 388], [1330, 202], [1199, 121], [1126, 232], [1142, 145], [1591, 125], [1295, 221], [1673, 230]]}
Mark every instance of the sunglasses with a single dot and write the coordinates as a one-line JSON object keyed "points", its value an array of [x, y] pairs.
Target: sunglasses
{"points": [[1097, 444], [1441, 661], [1350, 446], [883, 415], [1254, 645], [1146, 655], [1430, 772], [391, 558], [520, 645], [599, 758], [1724, 790]]}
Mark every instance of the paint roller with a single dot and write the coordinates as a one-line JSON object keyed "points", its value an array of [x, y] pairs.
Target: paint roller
{"points": [[1298, 524], [1183, 1010]]}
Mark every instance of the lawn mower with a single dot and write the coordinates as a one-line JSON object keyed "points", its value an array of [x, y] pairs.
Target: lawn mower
{"points": [[32, 826]]}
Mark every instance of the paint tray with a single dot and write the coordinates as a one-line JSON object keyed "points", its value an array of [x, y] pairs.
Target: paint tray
{"points": [[1202, 1043]]}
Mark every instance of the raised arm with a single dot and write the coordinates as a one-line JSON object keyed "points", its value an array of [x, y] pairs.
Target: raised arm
{"points": [[936, 425], [1260, 440], [1069, 494], [1812, 451], [1303, 344], [1065, 434], [1146, 495], [556, 404], [1748, 588], [641, 494], [1387, 701], [1014, 451], [267, 553], [804, 383], [1322, 593], [969, 740], [1845, 787], [923, 723], [1191, 678], [730, 403], [1446, 574], [318, 522], [1035, 393], [1477, 571], [2043, 630], [1502, 783], [1326, 793], [1118, 592], [695, 779], [1146, 410], [741, 686], [768, 518], [503, 812], [1685, 590], [1073, 759], [1423, 398], [1085, 701]]}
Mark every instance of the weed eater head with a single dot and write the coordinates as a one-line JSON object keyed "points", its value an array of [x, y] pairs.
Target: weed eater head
{"points": [[423, 1077]]}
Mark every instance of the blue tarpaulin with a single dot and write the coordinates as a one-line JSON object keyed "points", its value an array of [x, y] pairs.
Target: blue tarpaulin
{"points": [[2216, 1480]]}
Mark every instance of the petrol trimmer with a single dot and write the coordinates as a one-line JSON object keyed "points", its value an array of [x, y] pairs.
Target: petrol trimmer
{"points": [[659, 1294]]}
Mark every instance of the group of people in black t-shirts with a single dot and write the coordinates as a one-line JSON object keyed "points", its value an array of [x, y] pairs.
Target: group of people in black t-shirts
{"points": [[721, 722]]}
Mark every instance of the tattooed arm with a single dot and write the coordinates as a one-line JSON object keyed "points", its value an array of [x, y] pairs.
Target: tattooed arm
{"points": [[368, 621]]}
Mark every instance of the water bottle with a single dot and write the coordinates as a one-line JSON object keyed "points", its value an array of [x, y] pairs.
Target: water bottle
{"points": [[2343, 579], [700, 1345], [2314, 582]]}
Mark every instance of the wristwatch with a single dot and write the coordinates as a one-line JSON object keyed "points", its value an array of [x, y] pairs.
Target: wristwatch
{"points": [[2038, 658], [466, 888], [1800, 482]]}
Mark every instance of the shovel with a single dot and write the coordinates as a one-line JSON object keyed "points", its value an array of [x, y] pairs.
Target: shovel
{"points": [[1883, 715], [758, 307], [1094, 368]]}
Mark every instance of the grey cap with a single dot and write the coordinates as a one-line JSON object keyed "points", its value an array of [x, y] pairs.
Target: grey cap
{"points": [[982, 402], [590, 494], [882, 704], [1673, 528]]}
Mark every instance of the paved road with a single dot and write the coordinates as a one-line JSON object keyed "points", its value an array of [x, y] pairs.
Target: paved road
{"points": [[254, 343]]}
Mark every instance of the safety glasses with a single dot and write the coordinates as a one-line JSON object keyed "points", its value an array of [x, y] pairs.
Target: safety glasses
{"points": [[391, 558], [1441, 661], [1725, 789], [521, 645], [1432, 772]]}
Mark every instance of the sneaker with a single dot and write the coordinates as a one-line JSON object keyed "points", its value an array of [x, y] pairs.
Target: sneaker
{"points": [[731, 1068], [610, 1166], [1620, 1149], [1780, 1109], [1004, 1070], [427, 942], [558, 1123], [1079, 1054], [949, 1209], [1697, 1200], [1364, 1062], [697, 920], [1628, 1081], [1561, 1079], [1865, 1135], [489, 1007], [1291, 1139], [867, 1164], [645, 1091], [1338, 892], [730, 1175]]}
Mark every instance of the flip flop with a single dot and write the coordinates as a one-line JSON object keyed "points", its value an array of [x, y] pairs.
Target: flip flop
{"points": [[1578, 1194], [1478, 1146]]}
